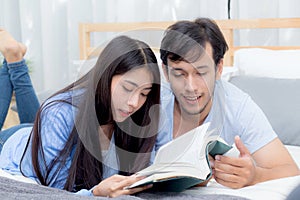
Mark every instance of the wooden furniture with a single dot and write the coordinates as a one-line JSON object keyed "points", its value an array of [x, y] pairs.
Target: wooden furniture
{"points": [[228, 28], [12, 117]]}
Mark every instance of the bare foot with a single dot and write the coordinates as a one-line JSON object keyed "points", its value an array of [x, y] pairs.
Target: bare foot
{"points": [[11, 49]]}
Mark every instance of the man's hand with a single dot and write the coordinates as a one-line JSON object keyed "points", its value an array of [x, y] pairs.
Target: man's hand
{"points": [[235, 172]]}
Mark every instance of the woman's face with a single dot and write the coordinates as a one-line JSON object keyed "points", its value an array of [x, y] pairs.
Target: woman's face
{"points": [[129, 92]]}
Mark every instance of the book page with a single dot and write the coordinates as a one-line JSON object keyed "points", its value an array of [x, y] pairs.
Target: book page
{"points": [[177, 167], [187, 151], [184, 161], [181, 148]]}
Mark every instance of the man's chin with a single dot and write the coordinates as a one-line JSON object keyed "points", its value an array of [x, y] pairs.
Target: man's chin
{"points": [[192, 111]]}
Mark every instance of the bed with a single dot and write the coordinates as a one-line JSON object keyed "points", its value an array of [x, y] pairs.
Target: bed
{"points": [[255, 69]]}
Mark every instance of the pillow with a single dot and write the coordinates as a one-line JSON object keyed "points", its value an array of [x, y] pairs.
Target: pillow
{"points": [[280, 101], [229, 72], [268, 63]]}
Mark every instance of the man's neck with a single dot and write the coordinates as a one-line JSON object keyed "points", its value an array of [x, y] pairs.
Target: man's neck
{"points": [[184, 122]]}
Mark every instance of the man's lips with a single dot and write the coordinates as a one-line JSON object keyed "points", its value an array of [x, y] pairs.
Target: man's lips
{"points": [[192, 99]]}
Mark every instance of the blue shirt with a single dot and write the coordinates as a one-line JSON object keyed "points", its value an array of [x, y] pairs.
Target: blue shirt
{"points": [[57, 124], [233, 113]]}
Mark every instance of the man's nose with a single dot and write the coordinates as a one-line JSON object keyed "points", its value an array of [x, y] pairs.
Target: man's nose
{"points": [[190, 83]]}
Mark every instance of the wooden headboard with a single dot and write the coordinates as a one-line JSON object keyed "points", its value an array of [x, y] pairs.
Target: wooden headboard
{"points": [[228, 28]]}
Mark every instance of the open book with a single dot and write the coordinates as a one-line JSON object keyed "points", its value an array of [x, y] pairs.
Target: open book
{"points": [[183, 162]]}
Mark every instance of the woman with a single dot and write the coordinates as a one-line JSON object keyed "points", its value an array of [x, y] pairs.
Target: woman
{"points": [[98, 126]]}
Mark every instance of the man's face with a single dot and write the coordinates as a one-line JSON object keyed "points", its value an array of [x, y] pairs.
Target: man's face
{"points": [[193, 83]]}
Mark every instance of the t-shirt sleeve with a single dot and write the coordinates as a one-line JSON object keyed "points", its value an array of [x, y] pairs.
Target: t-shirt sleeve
{"points": [[254, 128]]}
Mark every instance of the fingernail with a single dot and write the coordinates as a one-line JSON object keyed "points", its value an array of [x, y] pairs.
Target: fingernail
{"points": [[212, 164], [149, 186], [218, 157]]}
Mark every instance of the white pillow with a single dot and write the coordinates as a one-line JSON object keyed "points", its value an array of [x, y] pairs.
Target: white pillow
{"points": [[295, 153], [229, 72], [268, 63]]}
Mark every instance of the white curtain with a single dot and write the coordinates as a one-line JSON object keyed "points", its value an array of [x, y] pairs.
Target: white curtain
{"points": [[49, 28], [254, 9]]}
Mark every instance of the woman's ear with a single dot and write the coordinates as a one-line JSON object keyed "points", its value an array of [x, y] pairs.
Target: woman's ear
{"points": [[165, 70], [219, 69]]}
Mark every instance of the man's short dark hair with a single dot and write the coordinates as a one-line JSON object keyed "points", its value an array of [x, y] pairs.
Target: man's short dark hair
{"points": [[183, 37]]}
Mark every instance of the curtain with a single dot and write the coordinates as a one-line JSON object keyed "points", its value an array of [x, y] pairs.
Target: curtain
{"points": [[49, 28], [255, 9]]}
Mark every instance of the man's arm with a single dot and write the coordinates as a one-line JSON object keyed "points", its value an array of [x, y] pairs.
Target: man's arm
{"points": [[272, 161]]}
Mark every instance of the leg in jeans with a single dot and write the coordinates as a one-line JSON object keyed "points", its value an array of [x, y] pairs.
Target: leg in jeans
{"points": [[13, 53], [27, 101], [6, 89], [4, 135]]}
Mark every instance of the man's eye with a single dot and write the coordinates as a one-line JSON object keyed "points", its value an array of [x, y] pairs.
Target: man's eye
{"points": [[176, 74], [202, 73]]}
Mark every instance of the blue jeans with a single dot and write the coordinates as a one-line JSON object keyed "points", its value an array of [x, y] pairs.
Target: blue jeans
{"points": [[14, 77]]}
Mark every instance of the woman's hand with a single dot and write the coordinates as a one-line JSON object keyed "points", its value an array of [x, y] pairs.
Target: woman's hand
{"points": [[115, 186]]}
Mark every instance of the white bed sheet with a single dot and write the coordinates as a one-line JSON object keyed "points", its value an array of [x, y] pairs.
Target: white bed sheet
{"points": [[16, 177], [277, 189], [295, 153]]}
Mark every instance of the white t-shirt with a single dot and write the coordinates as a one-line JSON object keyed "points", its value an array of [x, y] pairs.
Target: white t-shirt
{"points": [[233, 113]]}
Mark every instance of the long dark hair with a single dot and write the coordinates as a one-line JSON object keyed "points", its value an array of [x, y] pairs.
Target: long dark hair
{"points": [[134, 138]]}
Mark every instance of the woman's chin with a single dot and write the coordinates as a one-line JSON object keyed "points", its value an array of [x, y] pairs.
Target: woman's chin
{"points": [[120, 118]]}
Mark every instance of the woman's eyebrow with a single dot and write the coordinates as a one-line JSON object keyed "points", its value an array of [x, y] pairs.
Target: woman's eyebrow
{"points": [[132, 83], [136, 85]]}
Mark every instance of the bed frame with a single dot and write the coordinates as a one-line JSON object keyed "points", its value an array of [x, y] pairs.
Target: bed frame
{"points": [[228, 28]]}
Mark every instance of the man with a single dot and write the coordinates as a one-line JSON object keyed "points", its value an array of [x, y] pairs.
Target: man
{"points": [[192, 55]]}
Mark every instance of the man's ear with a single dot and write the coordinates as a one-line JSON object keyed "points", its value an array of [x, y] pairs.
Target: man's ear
{"points": [[165, 70], [219, 69]]}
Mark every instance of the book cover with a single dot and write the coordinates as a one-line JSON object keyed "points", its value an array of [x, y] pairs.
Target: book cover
{"points": [[183, 162]]}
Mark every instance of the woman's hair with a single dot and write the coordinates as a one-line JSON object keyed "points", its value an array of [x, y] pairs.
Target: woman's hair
{"points": [[134, 138]]}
